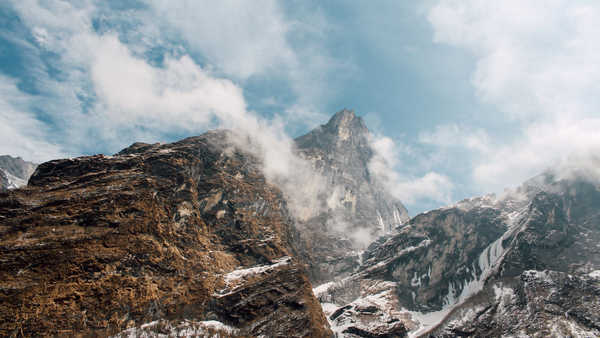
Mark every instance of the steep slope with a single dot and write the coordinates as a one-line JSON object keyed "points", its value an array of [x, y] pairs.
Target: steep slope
{"points": [[484, 267], [186, 238], [340, 150], [14, 172], [359, 207]]}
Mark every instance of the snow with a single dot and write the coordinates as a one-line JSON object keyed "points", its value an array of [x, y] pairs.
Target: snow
{"points": [[428, 320], [236, 275], [14, 181], [501, 291], [570, 328], [594, 274], [383, 300], [540, 275], [329, 308], [416, 280], [488, 261], [186, 328], [322, 289], [397, 217], [380, 221]]}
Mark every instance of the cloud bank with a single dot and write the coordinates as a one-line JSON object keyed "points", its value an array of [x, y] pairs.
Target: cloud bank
{"points": [[538, 62], [111, 92], [386, 166]]}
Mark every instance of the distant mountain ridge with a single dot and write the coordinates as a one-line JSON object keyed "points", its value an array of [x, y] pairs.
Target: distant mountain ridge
{"points": [[525, 264], [14, 172], [359, 210]]}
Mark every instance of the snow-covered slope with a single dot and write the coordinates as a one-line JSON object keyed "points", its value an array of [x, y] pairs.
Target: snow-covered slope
{"points": [[14, 172], [458, 262]]}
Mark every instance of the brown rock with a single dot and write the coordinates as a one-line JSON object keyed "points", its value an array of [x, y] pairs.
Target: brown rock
{"points": [[96, 245]]}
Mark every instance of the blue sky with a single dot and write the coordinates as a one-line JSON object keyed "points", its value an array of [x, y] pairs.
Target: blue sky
{"points": [[464, 97]]}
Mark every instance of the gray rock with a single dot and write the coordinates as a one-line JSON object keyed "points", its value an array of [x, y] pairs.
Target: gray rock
{"points": [[359, 209], [14, 172]]}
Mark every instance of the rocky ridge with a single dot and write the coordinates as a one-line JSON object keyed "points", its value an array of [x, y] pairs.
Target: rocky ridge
{"points": [[359, 208], [484, 267], [181, 236]]}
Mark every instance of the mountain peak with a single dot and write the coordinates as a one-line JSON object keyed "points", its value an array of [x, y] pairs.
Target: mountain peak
{"points": [[344, 121]]}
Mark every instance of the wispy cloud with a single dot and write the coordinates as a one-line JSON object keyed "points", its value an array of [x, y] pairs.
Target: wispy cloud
{"points": [[21, 133], [386, 165], [539, 63]]}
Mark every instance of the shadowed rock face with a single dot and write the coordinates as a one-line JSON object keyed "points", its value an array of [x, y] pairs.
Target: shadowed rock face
{"points": [[524, 264], [533, 304], [14, 172], [182, 231], [340, 150], [359, 207]]}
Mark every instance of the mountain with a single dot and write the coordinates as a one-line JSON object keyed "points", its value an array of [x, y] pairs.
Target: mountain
{"points": [[340, 150], [189, 238], [525, 264], [14, 172], [185, 238], [360, 209]]}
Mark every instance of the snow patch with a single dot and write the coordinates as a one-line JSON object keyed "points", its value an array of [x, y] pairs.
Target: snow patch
{"points": [[236, 275], [594, 274], [380, 221], [187, 328], [14, 182]]}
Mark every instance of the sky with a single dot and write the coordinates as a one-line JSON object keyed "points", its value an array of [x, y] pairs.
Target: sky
{"points": [[463, 97]]}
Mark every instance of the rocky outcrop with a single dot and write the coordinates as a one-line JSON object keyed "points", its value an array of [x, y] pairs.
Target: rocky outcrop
{"points": [[359, 209], [14, 172], [533, 304], [158, 238], [446, 272]]}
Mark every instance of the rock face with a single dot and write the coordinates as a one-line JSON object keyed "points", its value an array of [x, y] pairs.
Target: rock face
{"points": [[535, 304], [359, 209], [14, 172], [485, 267], [184, 237]]}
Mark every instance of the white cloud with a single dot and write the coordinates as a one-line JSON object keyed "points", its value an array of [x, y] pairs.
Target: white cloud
{"points": [[533, 57], [133, 98], [539, 63], [453, 135], [128, 96], [431, 186], [180, 95], [242, 38], [545, 145], [21, 134], [259, 40]]}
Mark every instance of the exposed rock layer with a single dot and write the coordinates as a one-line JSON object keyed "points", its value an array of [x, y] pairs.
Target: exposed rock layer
{"points": [[182, 231]]}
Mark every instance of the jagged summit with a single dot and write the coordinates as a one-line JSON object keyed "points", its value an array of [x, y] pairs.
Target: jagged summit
{"points": [[526, 264], [343, 132], [346, 120], [359, 207]]}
